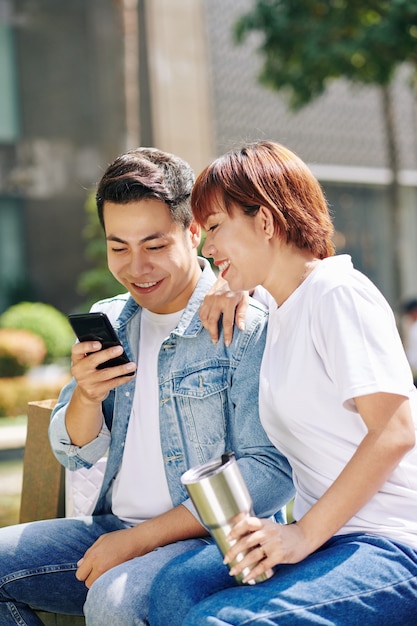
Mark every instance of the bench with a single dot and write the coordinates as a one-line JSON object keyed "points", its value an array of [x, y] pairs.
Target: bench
{"points": [[43, 488]]}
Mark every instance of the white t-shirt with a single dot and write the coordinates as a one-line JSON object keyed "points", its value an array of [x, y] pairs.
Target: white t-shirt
{"points": [[141, 490], [333, 339]]}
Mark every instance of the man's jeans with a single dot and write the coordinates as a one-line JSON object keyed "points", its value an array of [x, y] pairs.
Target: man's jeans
{"points": [[37, 569], [352, 580]]}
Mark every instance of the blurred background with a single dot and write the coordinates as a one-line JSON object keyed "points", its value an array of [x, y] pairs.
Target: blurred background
{"points": [[82, 81]]}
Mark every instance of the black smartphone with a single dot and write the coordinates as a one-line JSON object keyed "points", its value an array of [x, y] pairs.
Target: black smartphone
{"points": [[97, 327]]}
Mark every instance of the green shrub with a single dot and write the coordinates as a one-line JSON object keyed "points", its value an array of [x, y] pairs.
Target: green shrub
{"points": [[19, 351], [43, 320]]}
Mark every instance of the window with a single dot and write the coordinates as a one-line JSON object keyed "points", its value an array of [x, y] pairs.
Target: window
{"points": [[361, 220]]}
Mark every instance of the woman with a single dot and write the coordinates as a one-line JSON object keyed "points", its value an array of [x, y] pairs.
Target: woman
{"points": [[336, 396]]}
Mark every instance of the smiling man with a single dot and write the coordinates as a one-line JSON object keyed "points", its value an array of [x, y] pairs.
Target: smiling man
{"points": [[189, 402]]}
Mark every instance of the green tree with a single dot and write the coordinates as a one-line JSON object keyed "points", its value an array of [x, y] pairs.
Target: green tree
{"points": [[96, 283], [305, 44]]}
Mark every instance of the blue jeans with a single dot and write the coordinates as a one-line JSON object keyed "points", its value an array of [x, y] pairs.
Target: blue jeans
{"points": [[352, 579], [37, 569]]}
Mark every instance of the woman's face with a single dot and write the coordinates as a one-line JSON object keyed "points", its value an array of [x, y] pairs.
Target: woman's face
{"points": [[236, 242]]}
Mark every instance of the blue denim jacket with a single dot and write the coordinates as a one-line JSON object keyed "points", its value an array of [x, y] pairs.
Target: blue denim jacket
{"points": [[208, 405]]}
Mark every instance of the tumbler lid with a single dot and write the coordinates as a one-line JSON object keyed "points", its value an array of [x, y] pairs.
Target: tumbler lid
{"points": [[207, 470]]}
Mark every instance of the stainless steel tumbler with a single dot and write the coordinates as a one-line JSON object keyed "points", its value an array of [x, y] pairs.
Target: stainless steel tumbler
{"points": [[220, 495]]}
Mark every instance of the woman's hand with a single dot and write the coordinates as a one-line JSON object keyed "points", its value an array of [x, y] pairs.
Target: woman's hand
{"points": [[220, 300], [267, 544]]}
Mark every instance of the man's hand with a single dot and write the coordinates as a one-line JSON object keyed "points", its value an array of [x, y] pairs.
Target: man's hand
{"points": [[108, 551], [120, 546], [95, 384], [84, 416], [220, 300]]}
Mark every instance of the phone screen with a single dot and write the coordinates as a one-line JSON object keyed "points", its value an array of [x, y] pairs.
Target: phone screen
{"points": [[97, 327]]}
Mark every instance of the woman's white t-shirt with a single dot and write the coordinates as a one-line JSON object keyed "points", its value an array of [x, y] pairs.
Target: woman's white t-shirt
{"points": [[333, 339]]}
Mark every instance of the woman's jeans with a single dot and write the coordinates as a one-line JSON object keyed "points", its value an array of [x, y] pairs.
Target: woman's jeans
{"points": [[38, 562], [352, 580]]}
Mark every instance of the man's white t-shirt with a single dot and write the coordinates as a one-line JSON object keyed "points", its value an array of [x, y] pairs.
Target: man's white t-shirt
{"points": [[141, 490], [334, 339]]}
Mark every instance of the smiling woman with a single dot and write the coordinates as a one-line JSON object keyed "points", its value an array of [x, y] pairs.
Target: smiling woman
{"points": [[336, 396]]}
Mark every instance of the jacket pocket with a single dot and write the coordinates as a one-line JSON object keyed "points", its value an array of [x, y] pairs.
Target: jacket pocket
{"points": [[202, 400]]}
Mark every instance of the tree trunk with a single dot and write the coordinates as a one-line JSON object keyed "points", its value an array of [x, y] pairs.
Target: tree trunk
{"points": [[130, 27]]}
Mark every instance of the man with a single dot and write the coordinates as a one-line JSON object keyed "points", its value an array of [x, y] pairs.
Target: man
{"points": [[189, 402], [410, 312]]}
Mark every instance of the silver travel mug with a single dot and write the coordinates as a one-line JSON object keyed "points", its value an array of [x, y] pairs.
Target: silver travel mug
{"points": [[220, 495]]}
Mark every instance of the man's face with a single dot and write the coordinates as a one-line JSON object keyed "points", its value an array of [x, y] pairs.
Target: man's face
{"points": [[150, 255]]}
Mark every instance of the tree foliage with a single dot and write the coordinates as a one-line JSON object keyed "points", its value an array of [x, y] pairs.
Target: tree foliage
{"points": [[307, 43], [96, 283]]}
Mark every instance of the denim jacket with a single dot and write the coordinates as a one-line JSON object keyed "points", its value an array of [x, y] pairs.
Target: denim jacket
{"points": [[208, 405]]}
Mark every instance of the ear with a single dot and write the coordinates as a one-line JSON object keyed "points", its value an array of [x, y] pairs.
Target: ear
{"points": [[266, 221], [195, 233]]}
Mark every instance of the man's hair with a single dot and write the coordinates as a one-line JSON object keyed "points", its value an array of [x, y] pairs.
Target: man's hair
{"points": [[267, 174], [148, 173], [409, 306]]}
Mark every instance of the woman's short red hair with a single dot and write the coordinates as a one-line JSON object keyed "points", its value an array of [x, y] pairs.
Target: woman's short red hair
{"points": [[268, 174]]}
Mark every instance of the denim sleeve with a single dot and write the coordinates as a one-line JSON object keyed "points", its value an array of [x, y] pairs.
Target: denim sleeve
{"points": [[70, 456], [265, 470]]}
